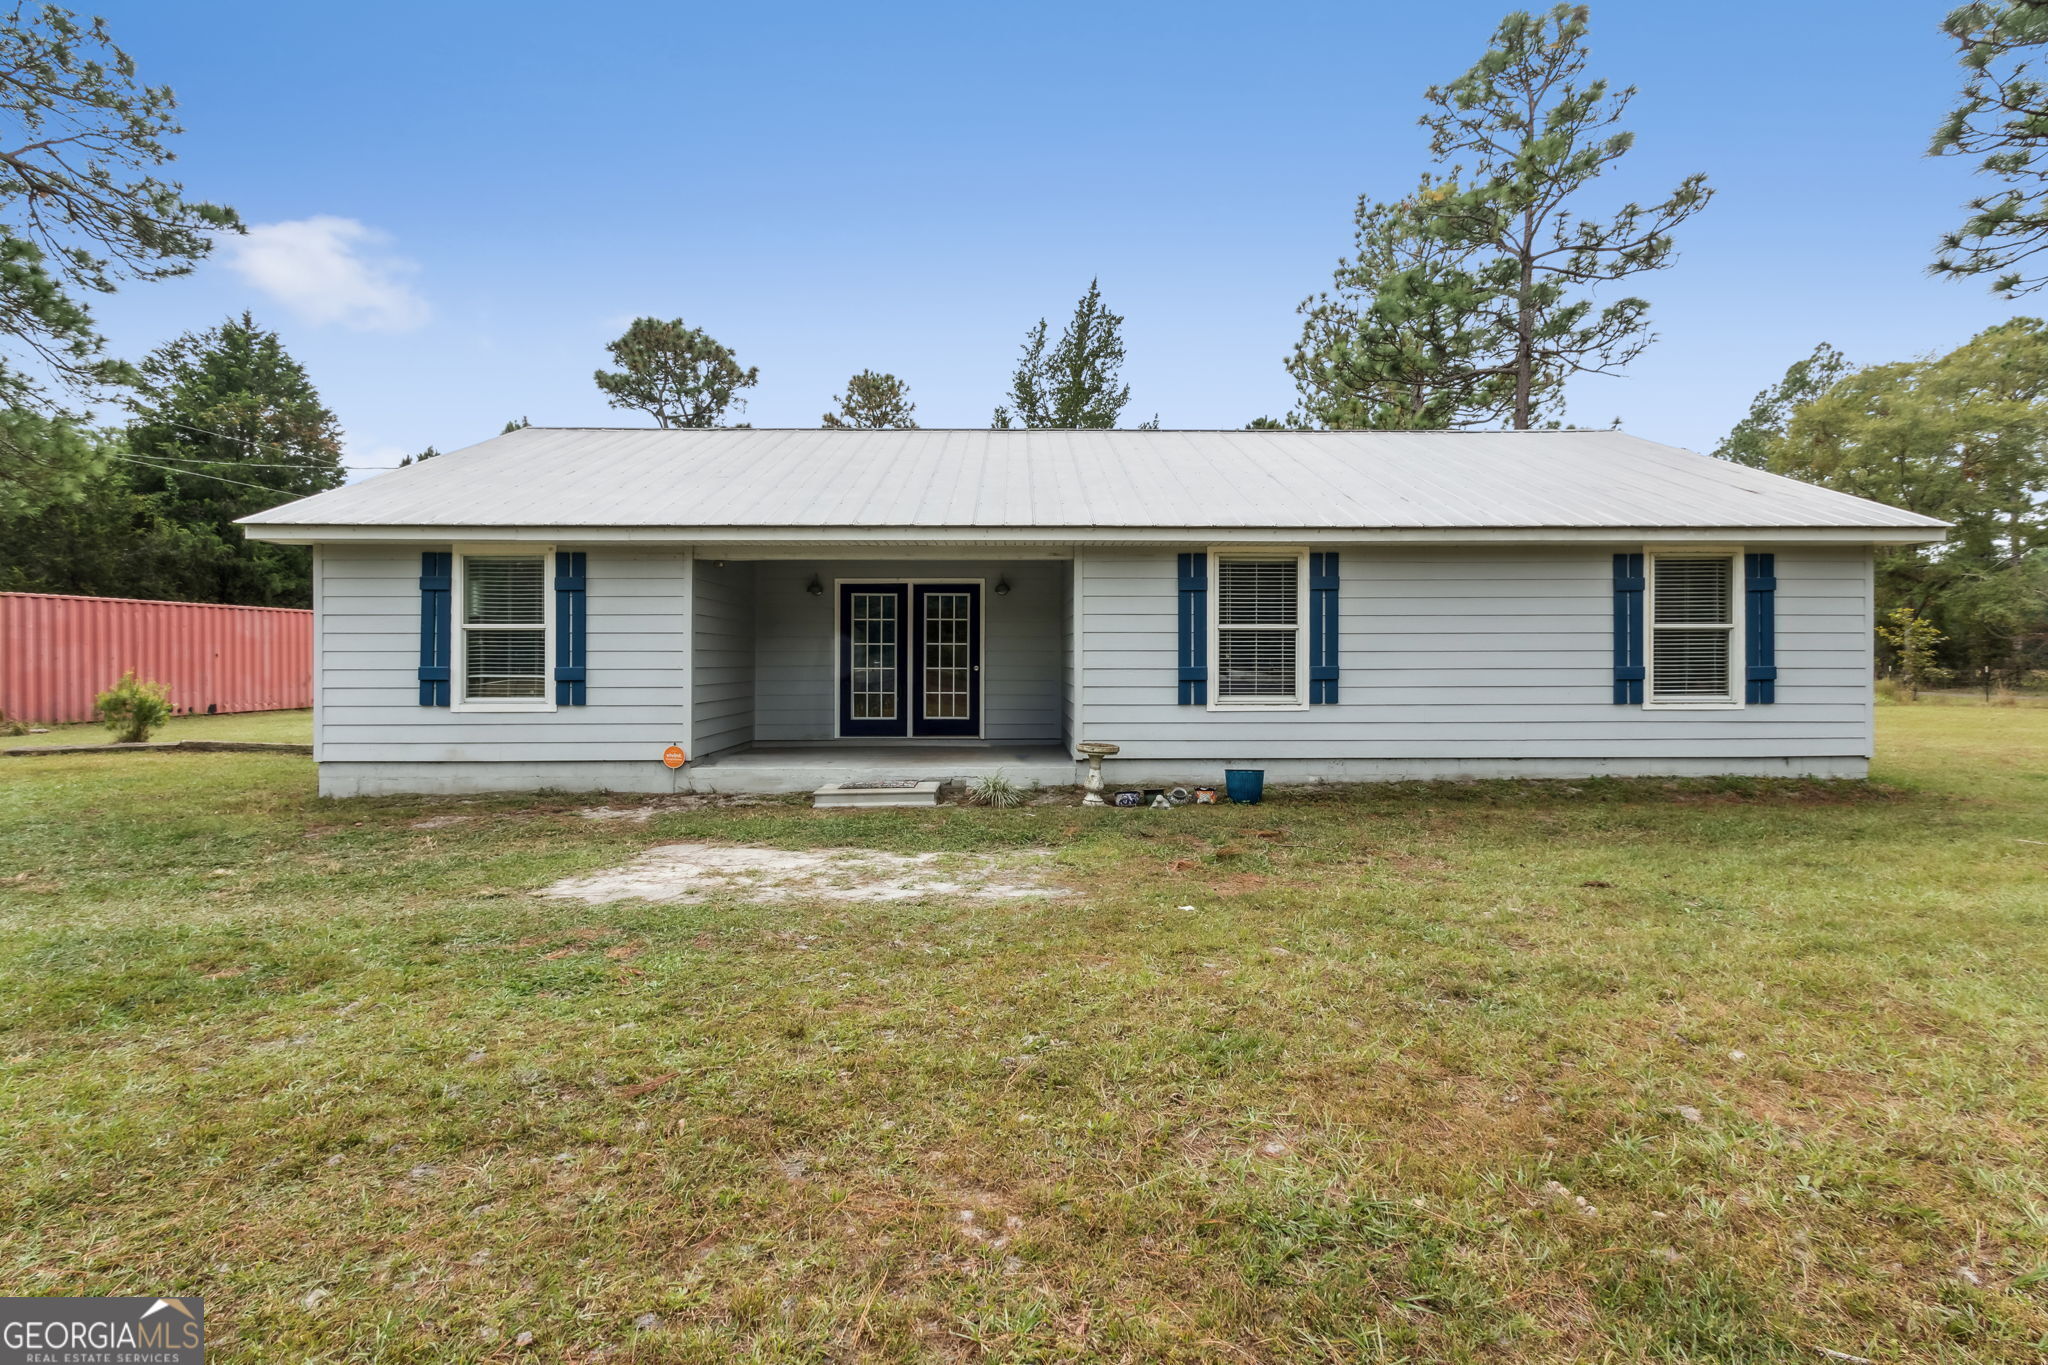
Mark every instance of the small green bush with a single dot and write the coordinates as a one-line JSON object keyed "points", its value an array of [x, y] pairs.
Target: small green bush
{"points": [[133, 710], [997, 789]]}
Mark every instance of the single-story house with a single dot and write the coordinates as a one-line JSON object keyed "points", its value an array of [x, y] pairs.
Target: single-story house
{"points": [[580, 608]]}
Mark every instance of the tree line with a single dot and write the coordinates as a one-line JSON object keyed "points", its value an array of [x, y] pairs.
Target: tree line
{"points": [[1468, 301], [681, 376]]}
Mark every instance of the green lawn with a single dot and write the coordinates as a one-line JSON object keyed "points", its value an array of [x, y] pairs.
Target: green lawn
{"points": [[338, 1071], [272, 727]]}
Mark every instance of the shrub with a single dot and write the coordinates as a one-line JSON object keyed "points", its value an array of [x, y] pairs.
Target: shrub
{"points": [[11, 727], [1890, 693], [1913, 639], [996, 789], [133, 710]]}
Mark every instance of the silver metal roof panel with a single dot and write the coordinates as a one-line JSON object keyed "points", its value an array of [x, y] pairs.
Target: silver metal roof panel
{"points": [[739, 479]]}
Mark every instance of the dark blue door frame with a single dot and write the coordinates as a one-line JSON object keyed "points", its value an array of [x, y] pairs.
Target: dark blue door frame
{"points": [[945, 688], [909, 660], [874, 660]]}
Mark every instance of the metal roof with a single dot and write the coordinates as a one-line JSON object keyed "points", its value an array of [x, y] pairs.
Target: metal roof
{"points": [[738, 479]]}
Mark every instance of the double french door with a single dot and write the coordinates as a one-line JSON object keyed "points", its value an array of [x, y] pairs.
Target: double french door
{"points": [[910, 660]]}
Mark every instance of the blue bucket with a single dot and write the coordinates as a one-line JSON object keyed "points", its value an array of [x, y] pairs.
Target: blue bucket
{"points": [[1245, 785]]}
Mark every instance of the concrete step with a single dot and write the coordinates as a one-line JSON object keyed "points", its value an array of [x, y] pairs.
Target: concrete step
{"points": [[898, 792]]}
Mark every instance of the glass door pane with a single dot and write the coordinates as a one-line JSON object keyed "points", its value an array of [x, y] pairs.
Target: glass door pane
{"points": [[877, 628], [947, 649], [948, 662]]}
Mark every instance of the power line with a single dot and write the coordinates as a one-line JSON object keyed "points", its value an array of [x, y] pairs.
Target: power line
{"points": [[217, 478], [243, 441], [255, 464]]}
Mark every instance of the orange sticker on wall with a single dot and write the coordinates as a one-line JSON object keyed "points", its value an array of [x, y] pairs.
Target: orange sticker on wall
{"points": [[673, 756]]}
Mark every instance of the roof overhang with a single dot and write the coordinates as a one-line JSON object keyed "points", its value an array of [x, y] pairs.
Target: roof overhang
{"points": [[1057, 542]]}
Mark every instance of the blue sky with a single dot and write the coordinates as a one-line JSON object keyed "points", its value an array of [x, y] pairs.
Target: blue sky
{"points": [[458, 204]]}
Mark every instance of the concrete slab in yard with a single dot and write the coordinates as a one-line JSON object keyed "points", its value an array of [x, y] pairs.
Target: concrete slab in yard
{"points": [[690, 873]]}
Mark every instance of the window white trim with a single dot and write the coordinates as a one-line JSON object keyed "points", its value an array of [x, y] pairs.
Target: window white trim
{"points": [[1216, 554], [1737, 644], [458, 671]]}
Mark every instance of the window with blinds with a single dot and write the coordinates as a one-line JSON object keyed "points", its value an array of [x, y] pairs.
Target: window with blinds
{"points": [[1258, 630], [1692, 628], [504, 627]]}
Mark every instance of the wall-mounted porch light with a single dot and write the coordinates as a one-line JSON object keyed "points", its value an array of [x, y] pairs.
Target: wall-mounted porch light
{"points": [[814, 587], [1003, 586]]}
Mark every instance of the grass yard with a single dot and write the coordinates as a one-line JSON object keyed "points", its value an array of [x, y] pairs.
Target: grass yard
{"points": [[1590, 1072], [269, 727]]}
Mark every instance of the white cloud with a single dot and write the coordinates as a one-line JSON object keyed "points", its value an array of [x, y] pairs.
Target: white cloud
{"points": [[327, 270]]}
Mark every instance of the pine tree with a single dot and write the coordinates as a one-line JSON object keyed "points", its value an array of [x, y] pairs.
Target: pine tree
{"points": [[1534, 139], [1076, 385], [873, 402], [1753, 439], [226, 424], [82, 213], [675, 373], [2001, 119], [1401, 339]]}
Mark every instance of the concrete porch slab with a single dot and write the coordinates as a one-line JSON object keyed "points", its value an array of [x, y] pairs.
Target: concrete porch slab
{"points": [[763, 769]]}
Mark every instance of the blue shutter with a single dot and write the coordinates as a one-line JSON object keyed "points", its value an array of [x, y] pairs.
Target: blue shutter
{"points": [[1322, 629], [437, 571], [1760, 628], [1628, 630], [1194, 630], [569, 615]]}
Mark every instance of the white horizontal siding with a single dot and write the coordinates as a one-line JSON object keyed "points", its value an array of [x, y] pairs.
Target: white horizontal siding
{"points": [[1468, 657], [368, 662], [1477, 654], [722, 676]]}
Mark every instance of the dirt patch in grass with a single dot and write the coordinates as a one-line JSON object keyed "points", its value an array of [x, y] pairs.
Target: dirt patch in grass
{"points": [[641, 812], [691, 873]]}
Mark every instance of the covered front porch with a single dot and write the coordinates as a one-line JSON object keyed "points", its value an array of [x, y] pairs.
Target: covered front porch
{"points": [[807, 671]]}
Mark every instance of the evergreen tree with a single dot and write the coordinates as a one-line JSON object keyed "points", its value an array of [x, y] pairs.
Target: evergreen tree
{"points": [[1533, 139], [227, 424], [1762, 428], [80, 212], [1962, 437], [109, 541], [516, 424], [1402, 338], [675, 374], [1075, 385], [873, 402], [428, 454], [2001, 118]]}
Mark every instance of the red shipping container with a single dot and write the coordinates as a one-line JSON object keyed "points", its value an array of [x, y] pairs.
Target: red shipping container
{"points": [[58, 653]]}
